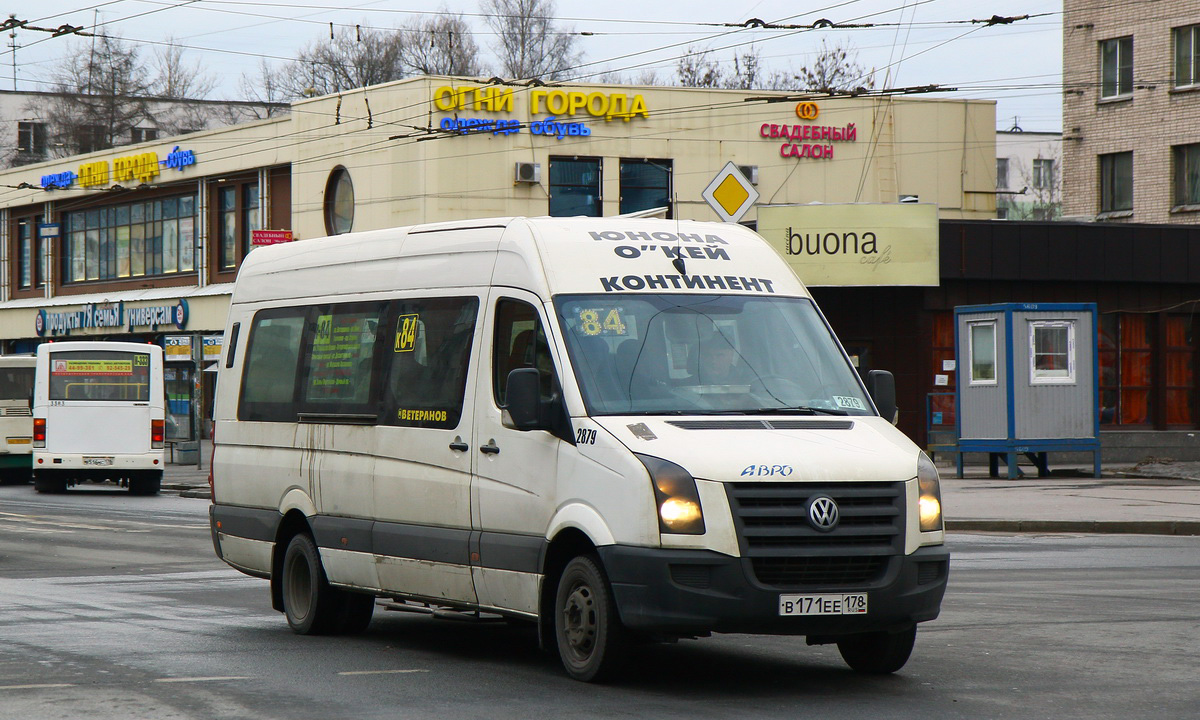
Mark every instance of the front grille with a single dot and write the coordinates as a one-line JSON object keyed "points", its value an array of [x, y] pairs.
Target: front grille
{"points": [[786, 551]]}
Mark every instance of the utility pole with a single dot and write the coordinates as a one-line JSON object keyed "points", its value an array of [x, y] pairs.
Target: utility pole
{"points": [[12, 43]]}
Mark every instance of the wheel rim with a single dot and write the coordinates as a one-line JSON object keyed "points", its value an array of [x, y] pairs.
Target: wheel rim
{"points": [[580, 624], [299, 587]]}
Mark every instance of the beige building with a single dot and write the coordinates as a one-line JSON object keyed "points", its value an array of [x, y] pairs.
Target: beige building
{"points": [[144, 241], [1131, 111]]}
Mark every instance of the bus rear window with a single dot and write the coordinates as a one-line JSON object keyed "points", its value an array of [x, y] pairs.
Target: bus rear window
{"points": [[16, 383], [100, 375]]}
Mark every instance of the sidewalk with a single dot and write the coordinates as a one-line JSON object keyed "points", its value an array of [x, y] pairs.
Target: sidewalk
{"points": [[1147, 499]]}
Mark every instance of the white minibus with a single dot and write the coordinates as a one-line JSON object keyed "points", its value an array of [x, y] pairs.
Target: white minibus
{"points": [[98, 415], [618, 429], [16, 417]]}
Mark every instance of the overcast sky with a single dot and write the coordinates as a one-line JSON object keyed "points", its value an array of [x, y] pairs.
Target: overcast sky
{"points": [[913, 43]]}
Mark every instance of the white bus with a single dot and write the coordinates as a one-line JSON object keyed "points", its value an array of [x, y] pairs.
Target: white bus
{"points": [[16, 417], [618, 429], [98, 416]]}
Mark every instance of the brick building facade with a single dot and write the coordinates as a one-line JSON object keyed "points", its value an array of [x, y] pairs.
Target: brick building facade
{"points": [[1131, 111]]}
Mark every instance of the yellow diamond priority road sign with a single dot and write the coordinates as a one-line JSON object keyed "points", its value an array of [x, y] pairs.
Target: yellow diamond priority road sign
{"points": [[730, 194]]}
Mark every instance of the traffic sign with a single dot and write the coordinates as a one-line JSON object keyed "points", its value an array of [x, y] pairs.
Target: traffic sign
{"points": [[730, 194]]}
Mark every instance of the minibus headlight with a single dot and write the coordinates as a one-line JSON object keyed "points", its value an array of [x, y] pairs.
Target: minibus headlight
{"points": [[676, 496], [930, 503]]}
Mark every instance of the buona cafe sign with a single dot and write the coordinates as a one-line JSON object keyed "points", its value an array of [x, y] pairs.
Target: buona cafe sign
{"points": [[808, 140], [560, 105], [111, 317], [143, 167]]}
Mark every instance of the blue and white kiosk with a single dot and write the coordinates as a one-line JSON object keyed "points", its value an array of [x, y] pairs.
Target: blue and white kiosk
{"points": [[1028, 382]]}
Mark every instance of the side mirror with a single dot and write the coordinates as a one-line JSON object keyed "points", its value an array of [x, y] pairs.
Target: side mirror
{"points": [[522, 409], [882, 387]]}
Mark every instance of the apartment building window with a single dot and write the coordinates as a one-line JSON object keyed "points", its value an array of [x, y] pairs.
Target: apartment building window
{"points": [[1116, 67], [575, 187], [1187, 174], [91, 138], [1116, 182], [1002, 173], [1187, 56], [645, 184], [155, 237], [138, 135], [31, 140], [1043, 173]]}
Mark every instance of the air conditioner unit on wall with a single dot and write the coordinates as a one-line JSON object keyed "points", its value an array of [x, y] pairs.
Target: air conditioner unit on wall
{"points": [[750, 171], [528, 172]]}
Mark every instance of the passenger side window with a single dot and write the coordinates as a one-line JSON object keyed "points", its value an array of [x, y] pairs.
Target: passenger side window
{"points": [[428, 343], [339, 362], [520, 342], [269, 379]]}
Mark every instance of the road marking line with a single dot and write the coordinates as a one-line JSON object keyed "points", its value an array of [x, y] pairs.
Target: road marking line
{"points": [[203, 679], [380, 672], [36, 687]]}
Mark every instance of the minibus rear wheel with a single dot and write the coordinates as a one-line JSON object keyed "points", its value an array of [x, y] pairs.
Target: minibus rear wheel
{"points": [[878, 653], [310, 603], [591, 641]]}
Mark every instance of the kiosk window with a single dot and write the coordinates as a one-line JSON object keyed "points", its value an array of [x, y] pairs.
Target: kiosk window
{"points": [[1052, 351], [983, 353], [428, 344]]}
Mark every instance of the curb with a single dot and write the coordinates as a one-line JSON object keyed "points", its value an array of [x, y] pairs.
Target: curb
{"points": [[1124, 527]]}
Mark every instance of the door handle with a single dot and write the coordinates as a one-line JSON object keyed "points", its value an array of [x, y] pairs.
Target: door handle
{"points": [[491, 448], [459, 445]]}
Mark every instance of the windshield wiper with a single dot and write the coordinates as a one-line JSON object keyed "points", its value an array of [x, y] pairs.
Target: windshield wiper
{"points": [[796, 410]]}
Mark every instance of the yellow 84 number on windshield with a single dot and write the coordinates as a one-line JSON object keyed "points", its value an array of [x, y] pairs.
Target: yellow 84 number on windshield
{"points": [[591, 324]]}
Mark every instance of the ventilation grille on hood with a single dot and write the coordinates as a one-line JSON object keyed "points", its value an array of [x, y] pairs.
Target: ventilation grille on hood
{"points": [[762, 424]]}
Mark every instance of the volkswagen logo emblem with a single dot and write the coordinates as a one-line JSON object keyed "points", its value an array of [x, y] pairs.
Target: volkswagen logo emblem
{"points": [[823, 513]]}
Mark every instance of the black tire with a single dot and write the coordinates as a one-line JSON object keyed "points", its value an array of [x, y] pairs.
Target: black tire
{"points": [[15, 476], [147, 484], [356, 611], [592, 643], [51, 484], [312, 606], [878, 653]]}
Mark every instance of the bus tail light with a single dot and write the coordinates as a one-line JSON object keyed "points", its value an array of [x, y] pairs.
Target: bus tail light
{"points": [[156, 434], [39, 432]]}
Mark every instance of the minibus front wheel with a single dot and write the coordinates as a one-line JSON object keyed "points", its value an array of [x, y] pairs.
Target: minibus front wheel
{"points": [[591, 639], [312, 605], [878, 653]]}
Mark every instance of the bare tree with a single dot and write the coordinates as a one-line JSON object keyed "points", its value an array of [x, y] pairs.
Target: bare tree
{"points": [[352, 58], [265, 89], [531, 44], [176, 79], [698, 68], [440, 45], [836, 69], [100, 95]]}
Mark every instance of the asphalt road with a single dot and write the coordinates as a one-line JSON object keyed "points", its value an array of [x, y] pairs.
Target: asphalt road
{"points": [[114, 606]]}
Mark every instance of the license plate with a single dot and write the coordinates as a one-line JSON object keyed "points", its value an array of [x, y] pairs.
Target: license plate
{"points": [[851, 604], [97, 461]]}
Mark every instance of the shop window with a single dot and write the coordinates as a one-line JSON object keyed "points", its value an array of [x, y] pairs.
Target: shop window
{"points": [[1052, 352], [339, 202], [251, 217], [1001, 173], [941, 403], [26, 260], [1187, 56], [238, 216], [645, 184], [1125, 369], [575, 187], [1181, 364], [981, 347], [1116, 67], [429, 348], [154, 237], [1187, 174], [1116, 182]]}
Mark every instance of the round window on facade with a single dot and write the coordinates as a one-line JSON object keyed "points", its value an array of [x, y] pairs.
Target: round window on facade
{"points": [[339, 202]]}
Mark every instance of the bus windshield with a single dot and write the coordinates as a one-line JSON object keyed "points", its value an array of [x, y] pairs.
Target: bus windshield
{"points": [[100, 375], [16, 383], [701, 354]]}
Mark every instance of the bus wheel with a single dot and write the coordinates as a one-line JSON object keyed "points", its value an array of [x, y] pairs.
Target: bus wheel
{"points": [[878, 653], [591, 640], [148, 484], [312, 606], [49, 484]]}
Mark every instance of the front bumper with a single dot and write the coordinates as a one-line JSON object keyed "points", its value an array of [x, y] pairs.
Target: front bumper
{"points": [[688, 592]]}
